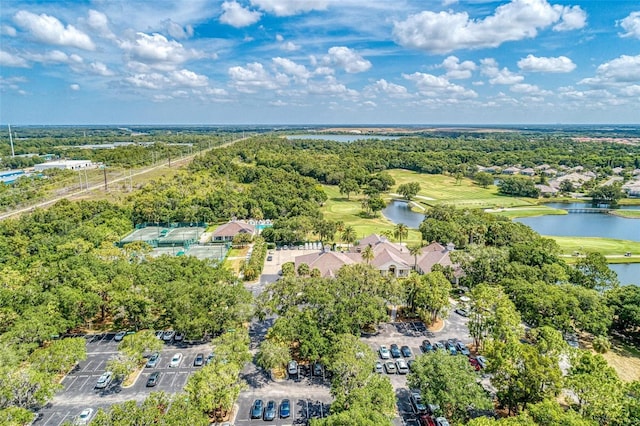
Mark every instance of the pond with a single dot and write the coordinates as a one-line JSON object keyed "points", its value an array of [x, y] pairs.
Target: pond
{"points": [[342, 138], [398, 211]]}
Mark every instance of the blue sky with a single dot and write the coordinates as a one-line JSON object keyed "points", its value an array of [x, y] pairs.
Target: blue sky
{"points": [[319, 62]]}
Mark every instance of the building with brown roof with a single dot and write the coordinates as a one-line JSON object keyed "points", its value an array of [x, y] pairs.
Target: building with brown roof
{"points": [[229, 230]]}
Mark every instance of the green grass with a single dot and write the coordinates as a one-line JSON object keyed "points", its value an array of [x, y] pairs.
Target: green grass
{"points": [[444, 189], [612, 248], [515, 212], [338, 208], [629, 214]]}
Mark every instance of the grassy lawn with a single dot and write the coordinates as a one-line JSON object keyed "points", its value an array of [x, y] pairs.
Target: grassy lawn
{"points": [[443, 189], [338, 208], [630, 214], [236, 258], [515, 212], [612, 248]]}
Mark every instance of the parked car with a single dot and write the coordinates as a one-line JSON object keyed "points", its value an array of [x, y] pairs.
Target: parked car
{"points": [[384, 352], [482, 361], [410, 364], [84, 417], [153, 360], [462, 348], [176, 360], [256, 409], [441, 421], [462, 312], [153, 379], [401, 366], [209, 358], [285, 409], [159, 334], [390, 367], [417, 403], [292, 368], [475, 364], [426, 346], [395, 351], [179, 337], [439, 346], [406, 351], [426, 420], [317, 369], [199, 361], [119, 336], [269, 258], [379, 368], [270, 411], [451, 348], [104, 380], [168, 335]]}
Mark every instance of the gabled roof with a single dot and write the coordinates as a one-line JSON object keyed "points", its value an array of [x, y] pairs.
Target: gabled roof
{"points": [[232, 228], [434, 257], [371, 240], [386, 256], [328, 262]]}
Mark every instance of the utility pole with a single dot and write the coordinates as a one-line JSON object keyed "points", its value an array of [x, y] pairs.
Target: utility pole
{"points": [[104, 169]]}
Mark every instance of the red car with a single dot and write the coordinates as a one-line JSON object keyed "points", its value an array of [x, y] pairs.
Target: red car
{"points": [[426, 421], [475, 364]]}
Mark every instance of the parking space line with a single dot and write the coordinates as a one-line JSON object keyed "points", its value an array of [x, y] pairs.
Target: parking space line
{"points": [[86, 367], [99, 366]]}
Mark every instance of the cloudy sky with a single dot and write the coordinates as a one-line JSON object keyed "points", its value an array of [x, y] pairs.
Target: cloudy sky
{"points": [[319, 61]]}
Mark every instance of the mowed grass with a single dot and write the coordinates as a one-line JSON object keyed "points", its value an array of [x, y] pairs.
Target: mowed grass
{"points": [[444, 189], [612, 248], [338, 208], [515, 212], [629, 214]]}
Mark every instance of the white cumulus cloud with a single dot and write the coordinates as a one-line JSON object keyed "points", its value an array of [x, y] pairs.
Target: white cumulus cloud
{"points": [[490, 68], [237, 16], [443, 32], [437, 86], [75, 87], [348, 59], [290, 7], [631, 25], [157, 51], [8, 30], [254, 77], [297, 71], [99, 23], [546, 64], [99, 68], [14, 61], [457, 70], [49, 30], [622, 70], [177, 31], [390, 89]]}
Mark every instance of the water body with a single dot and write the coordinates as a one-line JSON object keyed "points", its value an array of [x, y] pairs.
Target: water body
{"points": [[398, 211], [575, 224], [342, 138]]}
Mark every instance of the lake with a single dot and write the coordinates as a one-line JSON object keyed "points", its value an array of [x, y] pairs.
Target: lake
{"points": [[574, 224], [342, 138]]}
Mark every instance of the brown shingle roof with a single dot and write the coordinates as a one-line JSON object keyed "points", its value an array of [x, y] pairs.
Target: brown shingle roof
{"points": [[232, 228]]}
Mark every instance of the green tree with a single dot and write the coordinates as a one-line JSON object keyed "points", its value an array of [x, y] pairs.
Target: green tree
{"points": [[409, 190], [450, 383], [347, 186], [367, 254], [348, 235], [431, 296], [493, 315], [593, 272], [415, 250], [601, 344], [400, 231], [483, 179], [272, 355], [303, 270]]}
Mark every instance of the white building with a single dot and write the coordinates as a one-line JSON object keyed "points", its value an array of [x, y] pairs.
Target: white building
{"points": [[65, 165]]}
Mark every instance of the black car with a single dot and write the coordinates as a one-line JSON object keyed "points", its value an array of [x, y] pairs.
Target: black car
{"points": [[256, 409], [395, 351], [317, 369], [406, 351], [426, 346], [410, 364], [285, 409], [153, 380], [199, 361], [270, 411]]}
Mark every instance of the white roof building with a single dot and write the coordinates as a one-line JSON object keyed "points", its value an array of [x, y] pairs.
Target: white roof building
{"points": [[64, 165]]}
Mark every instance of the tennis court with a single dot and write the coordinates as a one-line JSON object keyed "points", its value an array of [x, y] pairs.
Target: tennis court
{"points": [[160, 236], [202, 252]]}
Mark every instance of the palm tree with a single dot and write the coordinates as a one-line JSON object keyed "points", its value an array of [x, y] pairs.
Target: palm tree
{"points": [[348, 235], [415, 250], [367, 254], [601, 344], [401, 231]]}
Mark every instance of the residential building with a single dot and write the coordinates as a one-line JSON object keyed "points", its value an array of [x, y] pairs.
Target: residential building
{"points": [[229, 230]]}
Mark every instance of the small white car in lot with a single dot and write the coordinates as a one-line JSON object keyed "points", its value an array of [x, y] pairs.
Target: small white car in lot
{"points": [[104, 380], [84, 417], [176, 360]]}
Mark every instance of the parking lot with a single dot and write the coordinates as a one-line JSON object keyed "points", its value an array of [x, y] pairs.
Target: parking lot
{"points": [[79, 386]]}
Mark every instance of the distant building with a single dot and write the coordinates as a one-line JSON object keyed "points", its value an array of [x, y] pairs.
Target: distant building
{"points": [[11, 176], [528, 172], [546, 190], [511, 171], [64, 165], [229, 230]]}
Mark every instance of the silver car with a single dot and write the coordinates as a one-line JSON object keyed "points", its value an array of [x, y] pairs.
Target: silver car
{"points": [[104, 380]]}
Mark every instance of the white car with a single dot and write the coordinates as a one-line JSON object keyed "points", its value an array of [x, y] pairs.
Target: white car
{"points": [[441, 421], [384, 352], [104, 380], [176, 360], [482, 361], [120, 335], [84, 417]]}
